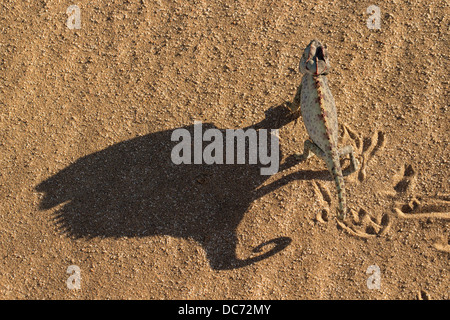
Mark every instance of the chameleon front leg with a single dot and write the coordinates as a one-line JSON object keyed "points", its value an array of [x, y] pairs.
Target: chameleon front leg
{"points": [[309, 149], [294, 105], [354, 163]]}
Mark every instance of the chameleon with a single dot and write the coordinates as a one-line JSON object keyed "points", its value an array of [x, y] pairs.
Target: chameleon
{"points": [[318, 110]]}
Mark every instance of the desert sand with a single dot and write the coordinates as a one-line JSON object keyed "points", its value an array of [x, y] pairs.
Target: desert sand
{"points": [[86, 179]]}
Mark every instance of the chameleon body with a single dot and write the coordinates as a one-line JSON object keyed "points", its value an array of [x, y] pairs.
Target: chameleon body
{"points": [[319, 115]]}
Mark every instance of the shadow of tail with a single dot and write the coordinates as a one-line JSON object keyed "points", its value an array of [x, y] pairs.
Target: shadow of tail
{"points": [[229, 260]]}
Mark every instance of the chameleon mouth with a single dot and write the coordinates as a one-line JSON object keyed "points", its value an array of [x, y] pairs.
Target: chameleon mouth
{"points": [[319, 54]]}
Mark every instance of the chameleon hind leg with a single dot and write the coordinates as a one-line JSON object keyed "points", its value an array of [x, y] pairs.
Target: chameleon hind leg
{"points": [[309, 149], [354, 163]]}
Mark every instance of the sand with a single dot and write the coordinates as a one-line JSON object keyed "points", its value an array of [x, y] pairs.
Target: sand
{"points": [[86, 180]]}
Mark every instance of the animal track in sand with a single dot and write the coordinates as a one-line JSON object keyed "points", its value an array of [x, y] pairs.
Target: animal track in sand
{"points": [[361, 224], [405, 180], [423, 295], [324, 197], [366, 147], [437, 206], [366, 225], [442, 244], [420, 207], [425, 207]]}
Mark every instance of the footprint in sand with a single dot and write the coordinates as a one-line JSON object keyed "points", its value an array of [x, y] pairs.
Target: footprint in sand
{"points": [[365, 224], [366, 147], [423, 295], [324, 197], [360, 224], [437, 206], [425, 207], [442, 244], [420, 207]]}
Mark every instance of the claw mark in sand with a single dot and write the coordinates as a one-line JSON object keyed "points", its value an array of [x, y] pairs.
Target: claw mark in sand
{"points": [[367, 147], [437, 206], [408, 179], [442, 244], [423, 295], [364, 225], [425, 207], [325, 199]]}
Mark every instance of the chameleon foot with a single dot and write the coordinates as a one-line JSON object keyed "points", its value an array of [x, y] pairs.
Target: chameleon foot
{"points": [[354, 163], [309, 149], [341, 215]]}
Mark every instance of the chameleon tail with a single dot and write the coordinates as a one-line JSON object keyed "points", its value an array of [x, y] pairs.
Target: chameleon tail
{"points": [[338, 178]]}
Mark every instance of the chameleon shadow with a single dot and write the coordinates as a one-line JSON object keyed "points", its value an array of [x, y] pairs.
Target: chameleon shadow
{"points": [[133, 189]]}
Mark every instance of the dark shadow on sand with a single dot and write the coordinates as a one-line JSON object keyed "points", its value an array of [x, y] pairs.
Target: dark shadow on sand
{"points": [[133, 189]]}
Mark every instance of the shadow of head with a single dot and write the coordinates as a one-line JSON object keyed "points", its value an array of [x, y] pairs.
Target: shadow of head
{"points": [[134, 189]]}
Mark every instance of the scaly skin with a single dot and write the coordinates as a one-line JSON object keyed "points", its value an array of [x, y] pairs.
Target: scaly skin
{"points": [[319, 114]]}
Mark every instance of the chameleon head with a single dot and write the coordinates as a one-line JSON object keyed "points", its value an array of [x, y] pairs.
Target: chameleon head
{"points": [[315, 59]]}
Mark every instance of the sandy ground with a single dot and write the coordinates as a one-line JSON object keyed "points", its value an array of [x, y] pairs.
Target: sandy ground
{"points": [[86, 118]]}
